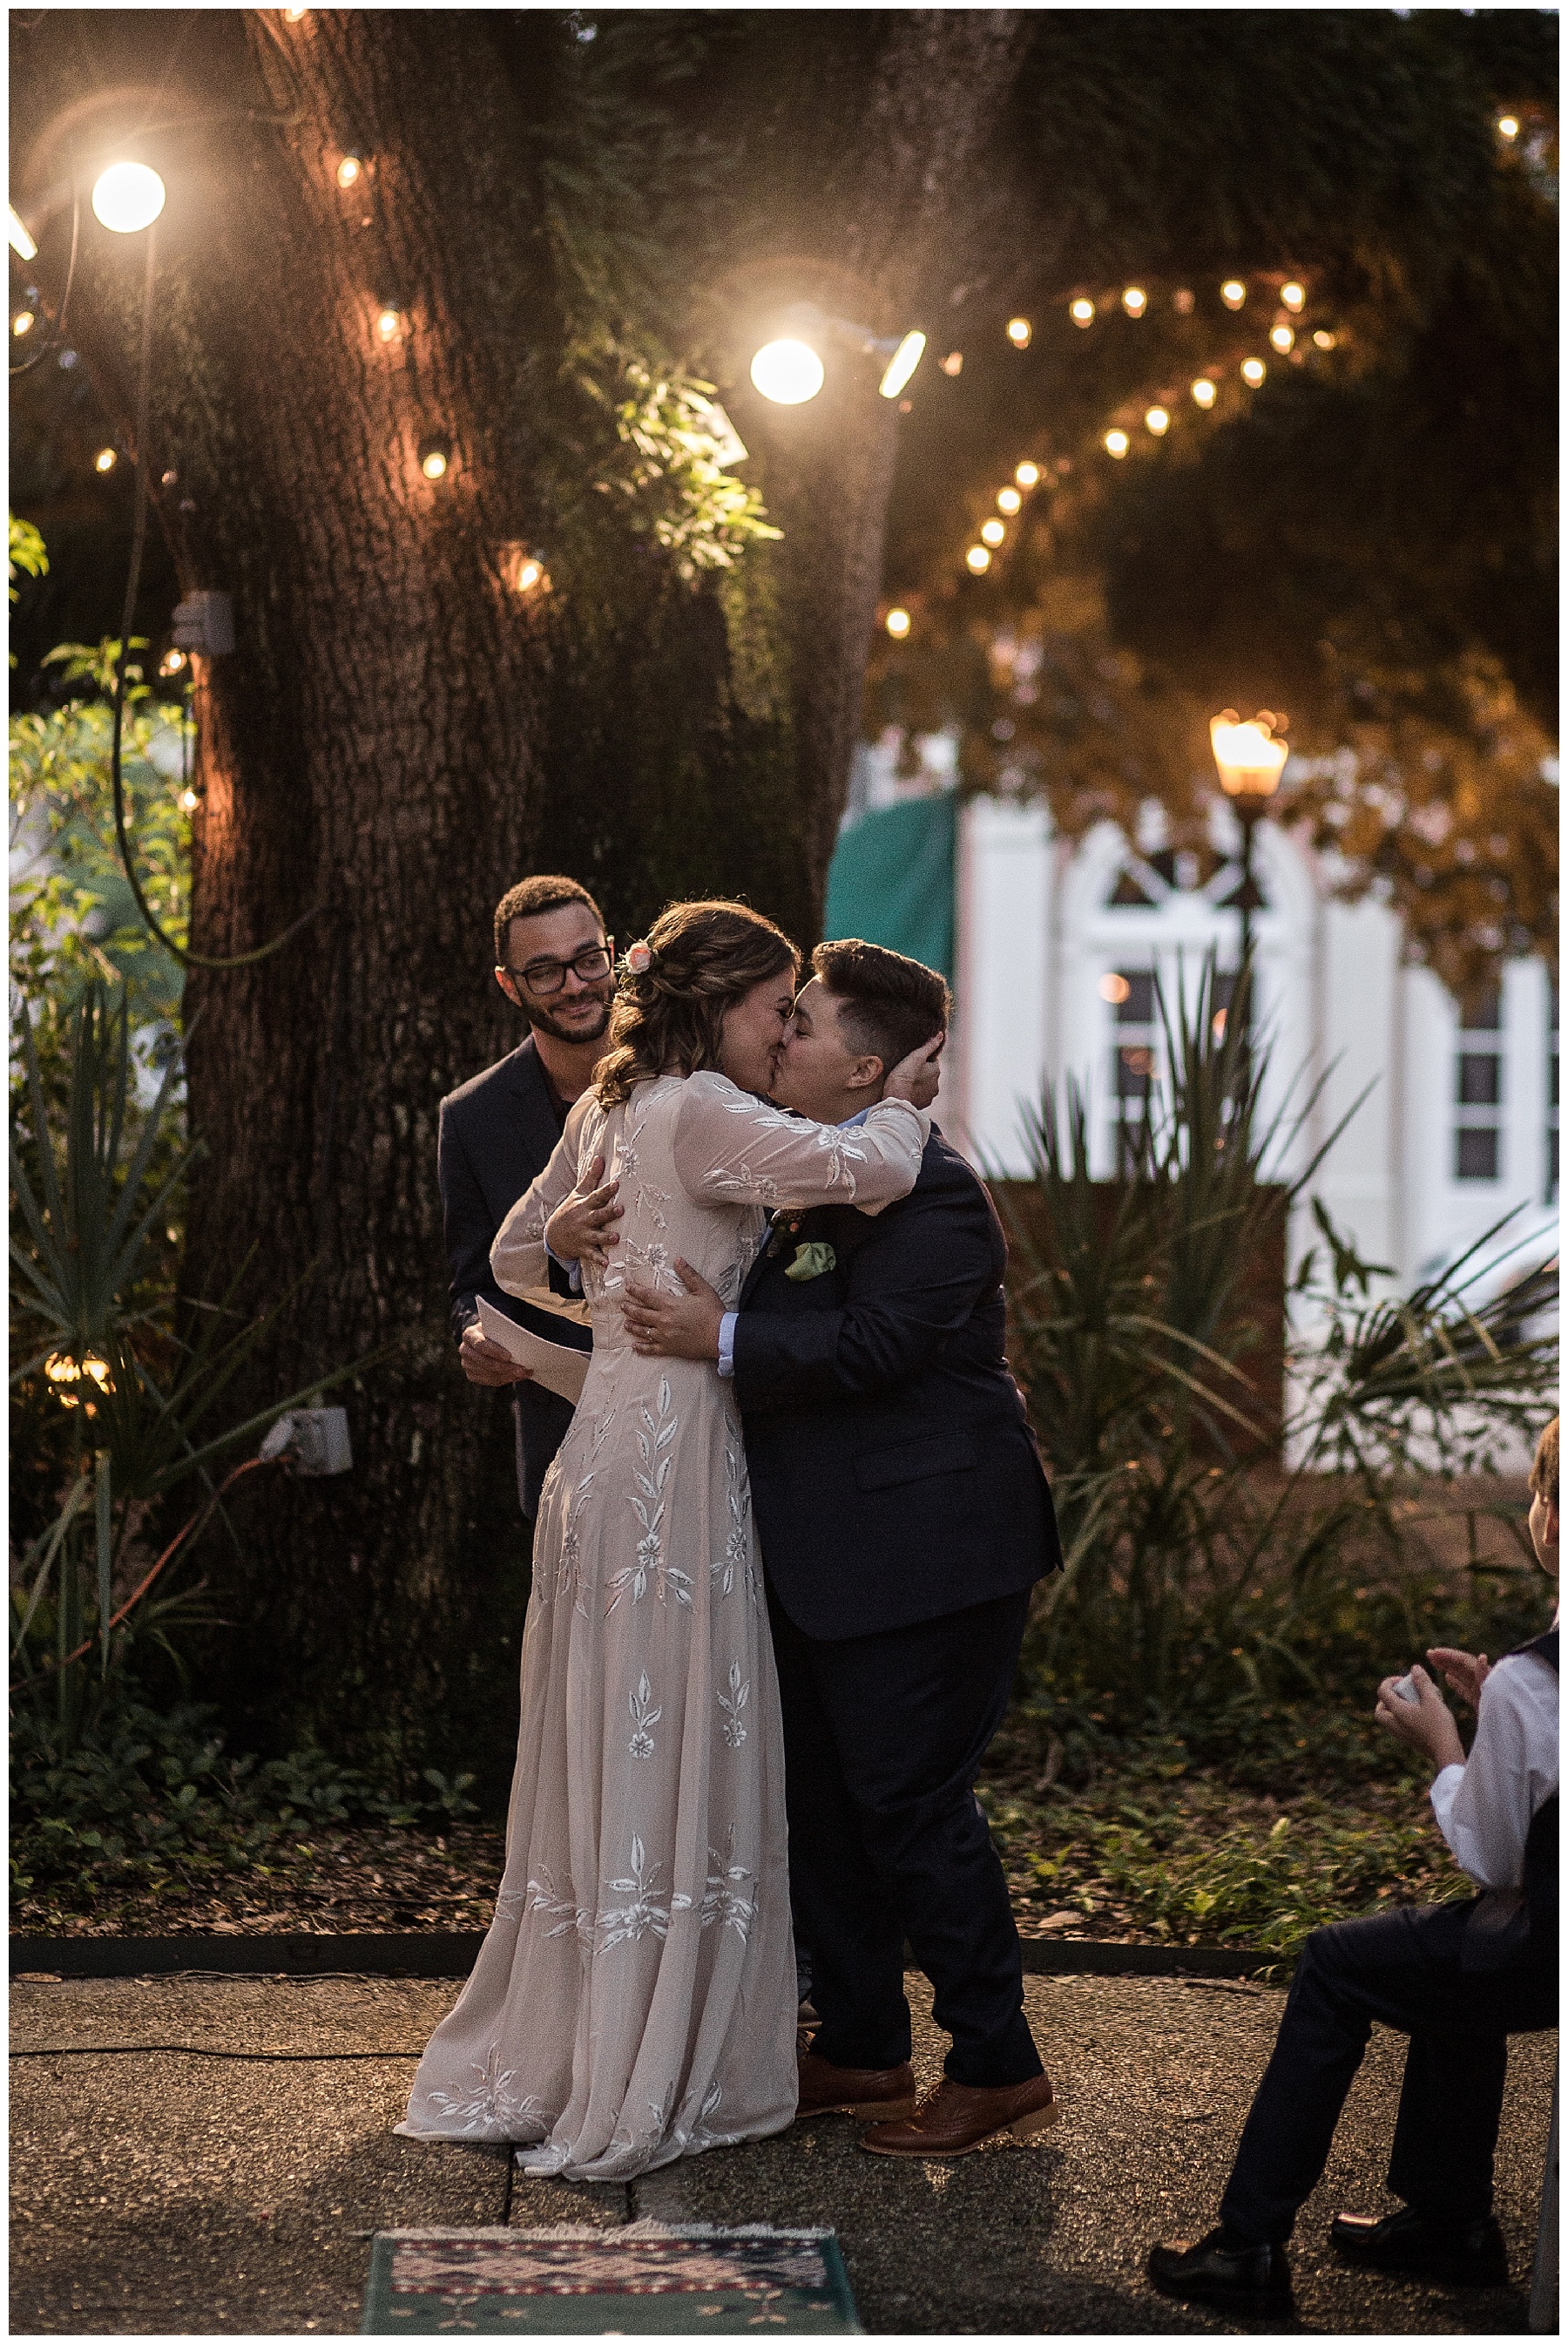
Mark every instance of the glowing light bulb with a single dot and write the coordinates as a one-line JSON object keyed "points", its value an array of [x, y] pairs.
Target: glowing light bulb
{"points": [[293, 15], [1250, 763], [902, 364], [1135, 301], [1081, 311], [171, 662], [1117, 443], [1204, 392], [22, 323], [528, 576], [21, 243], [105, 461], [1252, 371], [1008, 501], [1017, 332], [388, 325], [1183, 300], [1027, 475], [189, 801], [1158, 421], [348, 171], [433, 463], [1324, 339], [1232, 292], [953, 363], [1509, 125], [128, 197], [1283, 339], [1292, 295], [898, 625], [1114, 988], [979, 557], [788, 372], [992, 532]]}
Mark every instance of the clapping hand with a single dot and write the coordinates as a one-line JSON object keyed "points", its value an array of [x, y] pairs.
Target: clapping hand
{"points": [[1464, 1673], [582, 1228], [1425, 1723], [674, 1326]]}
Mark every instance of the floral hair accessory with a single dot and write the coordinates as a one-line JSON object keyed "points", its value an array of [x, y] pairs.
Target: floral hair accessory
{"points": [[639, 959]]}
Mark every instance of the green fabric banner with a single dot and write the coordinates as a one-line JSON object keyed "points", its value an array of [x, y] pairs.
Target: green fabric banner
{"points": [[891, 880]]}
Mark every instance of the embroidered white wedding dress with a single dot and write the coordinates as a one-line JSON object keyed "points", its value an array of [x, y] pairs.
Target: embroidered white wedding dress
{"points": [[633, 2000]]}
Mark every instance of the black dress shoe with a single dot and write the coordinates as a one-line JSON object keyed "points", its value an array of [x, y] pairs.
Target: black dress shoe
{"points": [[1223, 2270], [1459, 2254]]}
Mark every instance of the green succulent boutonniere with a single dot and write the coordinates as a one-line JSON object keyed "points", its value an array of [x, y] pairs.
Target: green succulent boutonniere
{"points": [[810, 1261]]}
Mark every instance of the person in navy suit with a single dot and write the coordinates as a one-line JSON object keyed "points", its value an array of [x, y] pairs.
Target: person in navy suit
{"points": [[498, 1131], [903, 1518]]}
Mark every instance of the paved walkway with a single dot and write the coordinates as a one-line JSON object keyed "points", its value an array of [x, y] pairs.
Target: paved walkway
{"points": [[179, 2191]]}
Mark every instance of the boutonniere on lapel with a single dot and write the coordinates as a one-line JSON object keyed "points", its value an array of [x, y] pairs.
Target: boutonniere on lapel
{"points": [[784, 1227], [810, 1261]]}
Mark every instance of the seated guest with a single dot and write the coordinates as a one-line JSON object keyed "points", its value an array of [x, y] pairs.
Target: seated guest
{"points": [[1457, 1979]]}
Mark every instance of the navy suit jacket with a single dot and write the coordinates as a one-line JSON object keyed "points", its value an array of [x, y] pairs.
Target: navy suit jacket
{"points": [[894, 1474], [498, 1132]]}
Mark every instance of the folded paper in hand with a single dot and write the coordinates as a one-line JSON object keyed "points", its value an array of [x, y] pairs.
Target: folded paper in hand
{"points": [[554, 1365]]}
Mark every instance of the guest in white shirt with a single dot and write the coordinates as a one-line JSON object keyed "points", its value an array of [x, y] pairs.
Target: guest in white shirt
{"points": [[1457, 1979]]}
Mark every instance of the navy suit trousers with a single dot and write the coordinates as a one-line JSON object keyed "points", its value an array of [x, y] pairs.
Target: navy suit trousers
{"points": [[883, 1737], [1401, 1969]]}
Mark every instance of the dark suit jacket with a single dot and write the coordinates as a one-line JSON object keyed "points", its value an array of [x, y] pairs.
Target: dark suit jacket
{"points": [[498, 1132], [894, 1474]]}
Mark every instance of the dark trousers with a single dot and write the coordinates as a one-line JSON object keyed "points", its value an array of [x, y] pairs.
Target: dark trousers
{"points": [[1404, 1970], [883, 1737]]}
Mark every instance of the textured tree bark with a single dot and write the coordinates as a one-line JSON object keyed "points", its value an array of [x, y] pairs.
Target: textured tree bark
{"points": [[393, 738]]}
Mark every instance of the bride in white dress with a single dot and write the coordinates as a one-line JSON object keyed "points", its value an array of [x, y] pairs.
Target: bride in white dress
{"points": [[634, 2001]]}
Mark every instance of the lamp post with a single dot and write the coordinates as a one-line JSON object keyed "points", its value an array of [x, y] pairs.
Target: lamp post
{"points": [[790, 371], [1250, 764]]}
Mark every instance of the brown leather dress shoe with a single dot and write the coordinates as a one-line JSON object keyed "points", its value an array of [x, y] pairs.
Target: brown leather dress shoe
{"points": [[957, 2117], [827, 2090]]}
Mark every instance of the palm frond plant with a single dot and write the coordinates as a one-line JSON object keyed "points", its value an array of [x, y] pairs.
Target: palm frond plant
{"points": [[1213, 1493], [137, 1375]]}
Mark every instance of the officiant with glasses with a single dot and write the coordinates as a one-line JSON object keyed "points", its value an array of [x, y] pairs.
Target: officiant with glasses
{"points": [[500, 1129]]}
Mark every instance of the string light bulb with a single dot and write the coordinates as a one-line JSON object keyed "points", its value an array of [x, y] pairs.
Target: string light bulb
{"points": [[22, 323], [1204, 392], [389, 323], [435, 460], [1027, 475], [1008, 501], [105, 461], [979, 557], [171, 662], [788, 372], [189, 801], [521, 571], [898, 625], [1292, 295], [65, 1374], [1324, 339], [293, 15], [1232, 292], [1117, 443], [1017, 332], [1283, 339], [1081, 311], [349, 172], [1252, 371], [992, 532], [1508, 124], [1114, 987], [128, 197], [1135, 301], [1158, 420]]}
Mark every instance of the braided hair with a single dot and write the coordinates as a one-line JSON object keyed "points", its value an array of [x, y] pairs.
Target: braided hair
{"points": [[669, 1013]]}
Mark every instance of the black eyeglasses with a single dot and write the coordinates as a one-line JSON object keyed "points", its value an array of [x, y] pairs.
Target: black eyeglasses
{"points": [[543, 977]]}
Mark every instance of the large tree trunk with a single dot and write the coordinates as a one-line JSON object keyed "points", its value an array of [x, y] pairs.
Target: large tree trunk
{"points": [[395, 735]]}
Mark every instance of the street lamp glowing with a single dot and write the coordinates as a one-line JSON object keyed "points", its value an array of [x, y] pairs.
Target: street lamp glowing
{"points": [[1158, 420], [1292, 295], [979, 557], [1233, 293], [128, 197], [1008, 501], [21, 243], [1204, 392], [1252, 371], [1283, 339], [1248, 762], [1027, 475], [1081, 311], [1017, 332], [788, 372], [1135, 301], [1117, 443], [902, 364], [898, 625]]}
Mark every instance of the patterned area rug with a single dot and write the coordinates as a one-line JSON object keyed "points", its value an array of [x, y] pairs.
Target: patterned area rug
{"points": [[647, 2279]]}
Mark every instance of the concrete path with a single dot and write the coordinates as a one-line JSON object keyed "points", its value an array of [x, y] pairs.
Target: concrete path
{"points": [[180, 2191]]}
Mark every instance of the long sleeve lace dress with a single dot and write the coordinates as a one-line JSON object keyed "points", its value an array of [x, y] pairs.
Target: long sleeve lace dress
{"points": [[634, 2001]]}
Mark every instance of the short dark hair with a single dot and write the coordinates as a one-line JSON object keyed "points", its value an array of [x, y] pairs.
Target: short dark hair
{"points": [[890, 1003], [543, 893]]}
